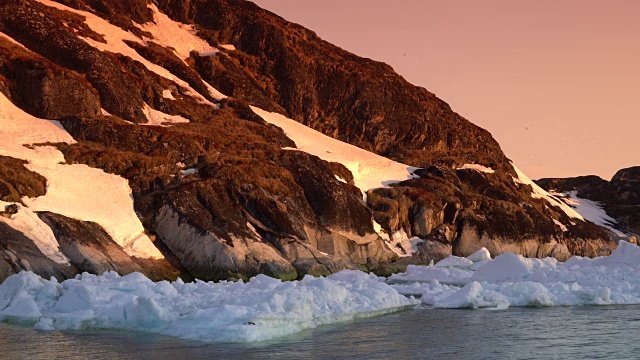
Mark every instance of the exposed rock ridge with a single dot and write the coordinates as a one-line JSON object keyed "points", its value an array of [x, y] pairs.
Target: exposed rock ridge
{"points": [[220, 194]]}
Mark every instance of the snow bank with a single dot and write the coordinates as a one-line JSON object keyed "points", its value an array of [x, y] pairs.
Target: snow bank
{"points": [[181, 37], [77, 191], [261, 309], [28, 223], [512, 280], [477, 167], [540, 193], [158, 118], [590, 210], [229, 47], [399, 242], [369, 170]]}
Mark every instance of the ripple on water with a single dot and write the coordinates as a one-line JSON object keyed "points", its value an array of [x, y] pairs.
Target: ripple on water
{"points": [[515, 333]]}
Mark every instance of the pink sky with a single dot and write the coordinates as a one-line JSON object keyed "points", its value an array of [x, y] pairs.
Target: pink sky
{"points": [[556, 82]]}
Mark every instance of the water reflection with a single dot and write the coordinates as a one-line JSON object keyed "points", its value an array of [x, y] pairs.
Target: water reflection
{"points": [[516, 333]]}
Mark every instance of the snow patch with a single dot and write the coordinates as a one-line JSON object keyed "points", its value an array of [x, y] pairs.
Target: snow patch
{"points": [[181, 37], [12, 40], [229, 47], [167, 95], [28, 223], [369, 170], [561, 225], [158, 118], [76, 191], [190, 171], [477, 167], [115, 36], [341, 179], [590, 210], [540, 193]]}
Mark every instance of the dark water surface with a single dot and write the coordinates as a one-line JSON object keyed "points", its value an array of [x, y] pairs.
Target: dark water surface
{"points": [[606, 332]]}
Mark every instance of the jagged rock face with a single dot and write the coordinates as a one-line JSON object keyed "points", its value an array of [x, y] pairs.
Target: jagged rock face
{"points": [[468, 209], [356, 100], [89, 247], [18, 253], [222, 197], [17, 181], [620, 197]]}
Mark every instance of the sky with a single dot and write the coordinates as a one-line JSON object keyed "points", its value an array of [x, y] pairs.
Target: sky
{"points": [[557, 83]]}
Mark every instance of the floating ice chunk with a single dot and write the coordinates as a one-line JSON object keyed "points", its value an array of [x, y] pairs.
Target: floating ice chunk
{"points": [[261, 309], [507, 266], [480, 255], [512, 280], [626, 253], [416, 273], [472, 295], [454, 261]]}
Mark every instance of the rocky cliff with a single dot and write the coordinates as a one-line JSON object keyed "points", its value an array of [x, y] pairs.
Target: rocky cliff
{"points": [[178, 99], [619, 197]]}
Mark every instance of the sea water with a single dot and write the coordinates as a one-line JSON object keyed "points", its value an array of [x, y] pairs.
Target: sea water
{"points": [[571, 332]]}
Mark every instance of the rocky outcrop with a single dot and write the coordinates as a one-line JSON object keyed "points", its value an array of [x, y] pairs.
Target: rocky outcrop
{"points": [[466, 210], [18, 253], [620, 197], [356, 100], [88, 246], [225, 196], [17, 181]]}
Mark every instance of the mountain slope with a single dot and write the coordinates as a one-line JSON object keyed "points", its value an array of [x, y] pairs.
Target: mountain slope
{"points": [[615, 203], [170, 99]]}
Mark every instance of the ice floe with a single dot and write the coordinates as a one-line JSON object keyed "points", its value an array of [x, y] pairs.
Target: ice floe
{"points": [[512, 280], [261, 309]]}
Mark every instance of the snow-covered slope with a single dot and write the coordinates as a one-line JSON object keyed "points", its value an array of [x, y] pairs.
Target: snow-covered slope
{"points": [[369, 170], [169, 33], [77, 191], [540, 193], [29, 224], [590, 210]]}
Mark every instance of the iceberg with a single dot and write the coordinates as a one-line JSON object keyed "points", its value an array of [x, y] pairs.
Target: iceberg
{"points": [[261, 309]]}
